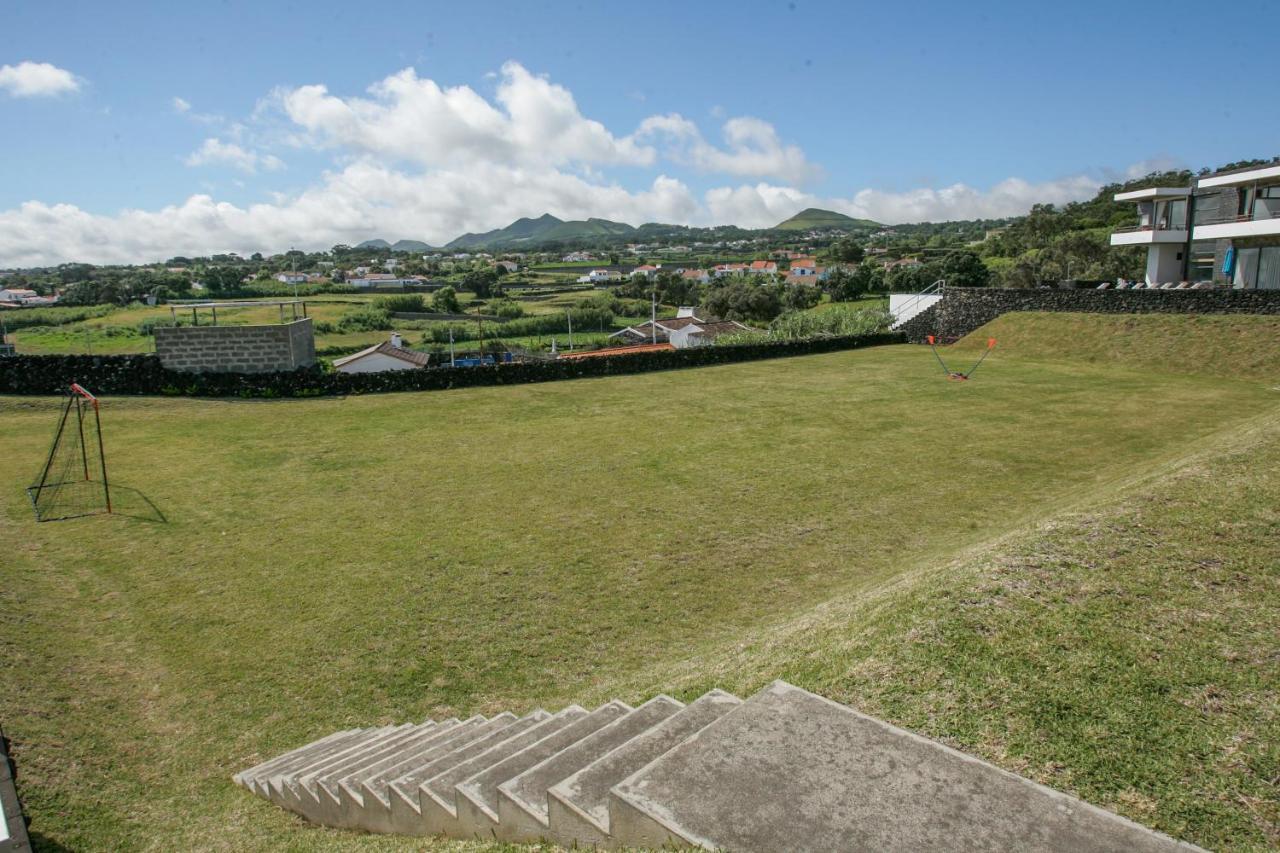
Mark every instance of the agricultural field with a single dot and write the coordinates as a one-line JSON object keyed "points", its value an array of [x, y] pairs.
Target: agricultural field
{"points": [[1069, 566]]}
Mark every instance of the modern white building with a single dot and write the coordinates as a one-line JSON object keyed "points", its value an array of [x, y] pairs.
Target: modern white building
{"points": [[1225, 229]]}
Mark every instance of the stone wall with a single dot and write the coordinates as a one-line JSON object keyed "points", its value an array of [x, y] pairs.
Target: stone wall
{"points": [[237, 349], [964, 309]]}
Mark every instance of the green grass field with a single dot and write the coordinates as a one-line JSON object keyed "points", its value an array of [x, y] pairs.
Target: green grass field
{"points": [[1067, 566]]}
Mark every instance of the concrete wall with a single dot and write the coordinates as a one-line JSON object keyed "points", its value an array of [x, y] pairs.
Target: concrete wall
{"points": [[237, 349], [964, 309]]}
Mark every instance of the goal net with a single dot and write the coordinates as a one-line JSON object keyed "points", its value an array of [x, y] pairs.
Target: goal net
{"points": [[73, 481]]}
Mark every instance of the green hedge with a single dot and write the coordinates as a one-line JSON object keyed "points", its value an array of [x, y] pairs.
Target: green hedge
{"points": [[142, 374]]}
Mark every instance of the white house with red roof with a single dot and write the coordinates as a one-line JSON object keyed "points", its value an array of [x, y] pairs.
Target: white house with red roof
{"points": [[646, 270], [763, 268]]}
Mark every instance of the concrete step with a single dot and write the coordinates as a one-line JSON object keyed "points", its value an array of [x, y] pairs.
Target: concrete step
{"points": [[375, 814], [301, 788], [308, 752], [477, 797], [244, 776], [790, 770], [344, 806], [273, 785], [578, 807], [434, 798], [522, 800]]}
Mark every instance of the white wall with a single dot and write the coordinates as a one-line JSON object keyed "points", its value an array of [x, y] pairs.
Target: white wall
{"points": [[904, 306], [1163, 263]]}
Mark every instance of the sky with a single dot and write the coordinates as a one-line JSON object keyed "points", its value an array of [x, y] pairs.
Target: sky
{"points": [[133, 132]]}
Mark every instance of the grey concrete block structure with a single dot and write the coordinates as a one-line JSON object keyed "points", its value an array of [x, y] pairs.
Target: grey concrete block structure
{"points": [[237, 349], [13, 824], [784, 770]]}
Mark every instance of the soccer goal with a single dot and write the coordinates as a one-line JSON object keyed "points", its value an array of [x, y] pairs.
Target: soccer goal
{"points": [[73, 481]]}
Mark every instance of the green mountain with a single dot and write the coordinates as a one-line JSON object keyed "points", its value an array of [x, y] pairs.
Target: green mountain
{"points": [[410, 246], [374, 244], [812, 218], [527, 232]]}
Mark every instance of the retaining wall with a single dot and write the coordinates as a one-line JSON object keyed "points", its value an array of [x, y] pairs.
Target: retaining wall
{"points": [[963, 309], [237, 349]]}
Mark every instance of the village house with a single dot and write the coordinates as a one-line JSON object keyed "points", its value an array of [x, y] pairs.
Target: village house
{"points": [[388, 355], [763, 268], [600, 276], [722, 270], [646, 270], [683, 331], [384, 279], [291, 277]]}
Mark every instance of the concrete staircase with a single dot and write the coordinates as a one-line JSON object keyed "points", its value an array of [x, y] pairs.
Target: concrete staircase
{"points": [[783, 770]]}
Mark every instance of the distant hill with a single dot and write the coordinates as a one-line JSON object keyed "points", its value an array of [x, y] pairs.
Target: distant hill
{"points": [[526, 232], [410, 246], [397, 246], [812, 218]]}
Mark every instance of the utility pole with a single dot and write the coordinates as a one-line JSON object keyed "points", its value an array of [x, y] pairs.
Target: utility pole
{"points": [[452, 361], [653, 314], [569, 314]]}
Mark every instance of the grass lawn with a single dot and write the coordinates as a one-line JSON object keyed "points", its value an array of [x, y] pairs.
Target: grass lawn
{"points": [[1068, 568]]}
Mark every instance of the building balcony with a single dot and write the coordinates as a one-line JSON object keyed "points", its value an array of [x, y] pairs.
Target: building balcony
{"points": [[1263, 222], [1146, 235]]}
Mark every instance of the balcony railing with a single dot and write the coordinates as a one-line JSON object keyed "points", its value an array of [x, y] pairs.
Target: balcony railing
{"points": [[1257, 216], [1130, 229]]}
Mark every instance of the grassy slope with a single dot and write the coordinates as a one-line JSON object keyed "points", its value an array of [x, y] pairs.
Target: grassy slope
{"points": [[341, 562], [1207, 345], [1127, 652]]}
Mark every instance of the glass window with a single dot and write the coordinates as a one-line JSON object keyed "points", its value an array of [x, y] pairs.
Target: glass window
{"points": [[1178, 214]]}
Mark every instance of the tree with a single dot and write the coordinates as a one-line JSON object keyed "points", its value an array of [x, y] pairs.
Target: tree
{"points": [[742, 300], [962, 268], [801, 296], [847, 250], [221, 279], [483, 283], [445, 301]]}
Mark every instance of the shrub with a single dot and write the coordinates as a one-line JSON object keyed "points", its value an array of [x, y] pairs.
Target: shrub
{"points": [[837, 321], [369, 319], [505, 308], [402, 303]]}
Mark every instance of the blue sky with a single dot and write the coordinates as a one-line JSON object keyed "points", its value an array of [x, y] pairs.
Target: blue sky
{"points": [[702, 112]]}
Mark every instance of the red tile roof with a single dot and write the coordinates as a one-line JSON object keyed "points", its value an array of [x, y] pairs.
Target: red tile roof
{"points": [[638, 348]]}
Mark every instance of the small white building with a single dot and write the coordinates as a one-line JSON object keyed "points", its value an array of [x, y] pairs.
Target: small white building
{"points": [[388, 355], [16, 295], [292, 277]]}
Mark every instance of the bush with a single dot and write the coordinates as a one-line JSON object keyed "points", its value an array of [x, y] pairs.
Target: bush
{"points": [[586, 318], [837, 321], [505, 308], [402, 303], [23, 318], [369, 319], [143, 374]]}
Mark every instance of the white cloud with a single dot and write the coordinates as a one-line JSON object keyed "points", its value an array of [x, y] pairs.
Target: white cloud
{"points": [[37, 80], [753, 148], [363, 200], [764, 204], [421, 161], [214, 151], [534, 123]]}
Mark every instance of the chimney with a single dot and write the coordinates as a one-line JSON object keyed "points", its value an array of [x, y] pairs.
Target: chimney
{"points": [[396, 341]]}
